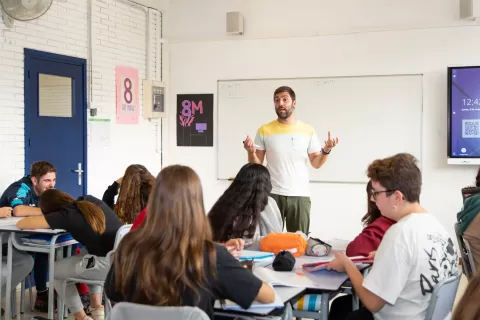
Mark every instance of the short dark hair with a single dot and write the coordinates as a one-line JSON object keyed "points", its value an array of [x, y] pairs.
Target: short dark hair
{"points": [[399, 172], [286, 89], [40, 168]]}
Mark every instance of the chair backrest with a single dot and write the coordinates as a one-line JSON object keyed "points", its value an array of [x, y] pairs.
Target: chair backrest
{"points": [[443, 297], [128, 311], [121, 233], [473, 268], [465, 253]]}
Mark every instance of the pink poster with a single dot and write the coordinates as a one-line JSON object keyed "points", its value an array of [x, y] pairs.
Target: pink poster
{"points": [[127, 95]]}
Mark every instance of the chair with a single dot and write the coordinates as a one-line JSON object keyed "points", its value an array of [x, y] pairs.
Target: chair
{"points": [[121, 232], [128, 311], [468, 265], [443, 297]]}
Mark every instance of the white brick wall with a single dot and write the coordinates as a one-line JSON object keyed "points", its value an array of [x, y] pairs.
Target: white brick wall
{"points": [[119, 30]]}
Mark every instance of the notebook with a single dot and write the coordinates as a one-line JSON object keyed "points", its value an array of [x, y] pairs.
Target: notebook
{"points": [[310, 267], [44, 239], [254, 255]]}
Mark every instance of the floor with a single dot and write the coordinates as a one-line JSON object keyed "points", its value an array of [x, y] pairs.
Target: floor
{"points": [[28, 315]]}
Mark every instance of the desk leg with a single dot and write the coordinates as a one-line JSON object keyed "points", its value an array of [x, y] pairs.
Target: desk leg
{"points": [[8, 300], [22, 297], [51, 278], [324, 306], [288, 313]]}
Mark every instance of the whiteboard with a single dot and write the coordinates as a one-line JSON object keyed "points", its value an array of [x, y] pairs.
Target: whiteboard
{"points": [[373, 117]]}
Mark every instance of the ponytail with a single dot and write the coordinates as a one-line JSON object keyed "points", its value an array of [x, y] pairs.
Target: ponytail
{"points": [[93, 214]]}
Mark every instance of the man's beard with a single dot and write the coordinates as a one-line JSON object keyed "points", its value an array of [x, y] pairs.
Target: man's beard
{"points": [[284, 115]]}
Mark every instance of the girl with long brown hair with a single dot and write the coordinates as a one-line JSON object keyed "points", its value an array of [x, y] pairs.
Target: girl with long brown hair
{"points": [[171, 260], [135, 187], [92, 223]]}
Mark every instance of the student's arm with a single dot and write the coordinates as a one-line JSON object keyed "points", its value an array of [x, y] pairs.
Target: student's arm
{"points": [[54, 220], [38, 222], [5, 212], [17, 198], [238, 284], [370, 300], [266, 294], [26, 211], [110, 193]]}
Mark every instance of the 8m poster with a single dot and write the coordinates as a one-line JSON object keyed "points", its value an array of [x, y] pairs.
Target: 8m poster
{"points": [[194, 120]]}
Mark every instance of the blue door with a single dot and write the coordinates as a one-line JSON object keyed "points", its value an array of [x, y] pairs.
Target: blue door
{"points": [[55, 117]]}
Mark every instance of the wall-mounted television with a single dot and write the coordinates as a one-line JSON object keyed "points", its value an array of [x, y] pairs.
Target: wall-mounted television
{"points": [[464, 115]]}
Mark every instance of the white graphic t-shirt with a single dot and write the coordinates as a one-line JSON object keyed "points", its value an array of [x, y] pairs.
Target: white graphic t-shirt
{"points": [[414, 255]]}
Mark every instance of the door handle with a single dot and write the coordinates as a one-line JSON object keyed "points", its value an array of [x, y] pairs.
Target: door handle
{"points": [[79, 171]]}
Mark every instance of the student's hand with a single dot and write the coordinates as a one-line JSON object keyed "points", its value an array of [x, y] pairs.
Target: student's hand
{"points": [[235, 244], [330, 143], [338, 264], [371, 255], [119, 180], [6, 212], [233, 252], [249, 145]]}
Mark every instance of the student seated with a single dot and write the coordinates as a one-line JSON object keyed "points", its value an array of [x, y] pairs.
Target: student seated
{"points": [[469, 219], [468, 308], [135, 187], [414, 255], [366, 242], [375, 227], [245, 210], [92, 223], [22, 264], [22, 197], [171, 259]]}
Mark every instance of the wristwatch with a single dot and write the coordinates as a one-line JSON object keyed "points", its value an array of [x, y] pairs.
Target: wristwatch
{"points": [[324, 152]]}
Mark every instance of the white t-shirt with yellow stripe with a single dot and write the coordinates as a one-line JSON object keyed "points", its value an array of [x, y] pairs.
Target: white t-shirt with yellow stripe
{"points": [[287, 149]]}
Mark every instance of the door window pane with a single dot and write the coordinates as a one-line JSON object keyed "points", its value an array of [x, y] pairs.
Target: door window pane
{"points": [[55, 96]]}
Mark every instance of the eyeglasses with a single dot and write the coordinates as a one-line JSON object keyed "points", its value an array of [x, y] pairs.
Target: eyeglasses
{"points": [[374, 193]]}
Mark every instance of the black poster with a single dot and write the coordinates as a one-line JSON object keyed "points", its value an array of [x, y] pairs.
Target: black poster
{"points": [[195, 120]]}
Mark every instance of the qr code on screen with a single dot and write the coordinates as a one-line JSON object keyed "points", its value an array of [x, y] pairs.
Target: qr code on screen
{"points": [[471, 128]]}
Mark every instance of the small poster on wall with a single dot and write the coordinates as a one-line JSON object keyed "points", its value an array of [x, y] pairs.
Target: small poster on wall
{"points": [[194, 120], [127, 95]]}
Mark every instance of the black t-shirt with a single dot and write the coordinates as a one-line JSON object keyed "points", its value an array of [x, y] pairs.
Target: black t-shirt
{"points": [[71, 219], [231, 281]]}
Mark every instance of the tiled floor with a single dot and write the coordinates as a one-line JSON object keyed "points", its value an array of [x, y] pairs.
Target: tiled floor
{"points": [[28, 315]]}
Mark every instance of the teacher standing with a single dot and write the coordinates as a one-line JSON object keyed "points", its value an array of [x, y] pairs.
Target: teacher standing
{"points": [[289, 145]]}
